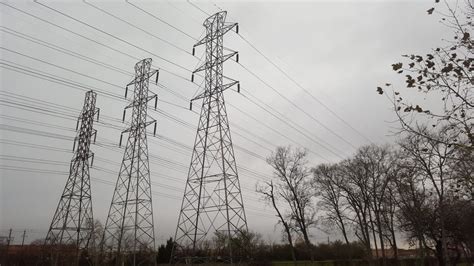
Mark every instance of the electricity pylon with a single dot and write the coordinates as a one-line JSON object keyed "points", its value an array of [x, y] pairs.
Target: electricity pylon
{"points": [[72, 224], [212, 205], [129, 236]]}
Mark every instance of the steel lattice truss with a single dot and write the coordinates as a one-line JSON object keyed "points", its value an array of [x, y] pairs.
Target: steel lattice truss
{"points": [[212, 203], [72, 223], [129, 227]]}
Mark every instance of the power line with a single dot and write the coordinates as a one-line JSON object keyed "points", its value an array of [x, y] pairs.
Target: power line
{"points": [[178, 95], [118, 97], [85, 37], [161, 20], [100, 80], [96, 158], [198, 21], [320, 140], [54, 78], [68, 82], [187, 147], [165, 162], [35, 146], [198, 8], [181, 66], [34, 132], [52, 125], [160, 112], [31, 160], [299, 85], [186, 79], [304, 89], [42, 133], [136, 27], [274, 130], [61, 49], [61, 67], [257, 212], [312, 117], [245, 150], [298, 107], [111, 35]]}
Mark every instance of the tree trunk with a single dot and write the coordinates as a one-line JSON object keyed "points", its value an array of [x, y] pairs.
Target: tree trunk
{"points": [[379, 226], [422, 251], [343, 228], [382, 246], [373, 235], [395, 247], [392, 230], [365, 231], [440, 253], [443, 232], [285, 224], [308, 244], [290, 241]]}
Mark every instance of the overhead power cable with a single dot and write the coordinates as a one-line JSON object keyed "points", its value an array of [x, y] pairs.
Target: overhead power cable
{"points": [[136, 27], [117, 96], [198, 8], [111, 35], [306, 91], [101, 122], [87, 38], [161, 20], [178, 75], [96, 158], [298, 107], [338, 153], [62, 50], [103, 81], [42, 133]]}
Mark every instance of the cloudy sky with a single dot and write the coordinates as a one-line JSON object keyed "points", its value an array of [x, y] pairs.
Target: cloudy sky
{"points": [[338, 52]]}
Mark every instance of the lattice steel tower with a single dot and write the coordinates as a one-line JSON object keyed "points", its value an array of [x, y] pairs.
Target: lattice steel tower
{"points": [[129, 235], [72, 223], [212, 204]]}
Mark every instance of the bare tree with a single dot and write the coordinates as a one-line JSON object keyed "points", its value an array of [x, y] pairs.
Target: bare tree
{"points": [[365, 186], [412, 201], [431, 157], [292, 180], [354, 190], [389, 219], [378, 164], [268, 191], [328, 181]]}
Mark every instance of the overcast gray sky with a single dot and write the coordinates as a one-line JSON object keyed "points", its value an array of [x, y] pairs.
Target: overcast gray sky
{"points": [[339, 51]]}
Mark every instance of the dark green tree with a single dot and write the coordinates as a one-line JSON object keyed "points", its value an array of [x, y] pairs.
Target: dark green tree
{"points": [[164, 251]]}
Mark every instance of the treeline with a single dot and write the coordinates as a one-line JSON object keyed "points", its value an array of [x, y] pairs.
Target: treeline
{"points": [[251, 248], [416, 189]]}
